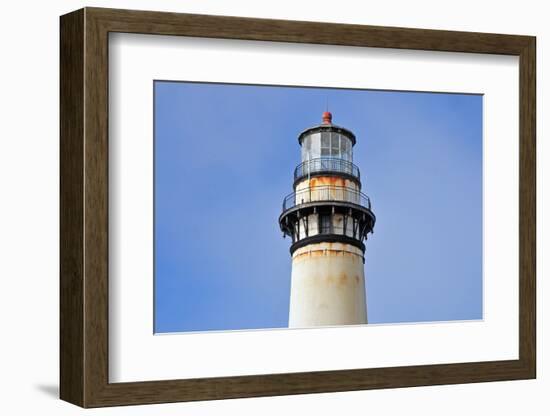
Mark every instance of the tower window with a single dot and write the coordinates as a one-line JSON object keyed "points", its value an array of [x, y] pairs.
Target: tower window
{"points": [[325, 223]]}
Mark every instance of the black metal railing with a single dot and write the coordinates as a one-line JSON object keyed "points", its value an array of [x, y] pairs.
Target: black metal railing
{"points": [[326, 193], [325, 164]]}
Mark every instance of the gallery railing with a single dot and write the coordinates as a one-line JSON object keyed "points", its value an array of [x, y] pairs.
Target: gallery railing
{"points": [[326, 193], [325, 164]]}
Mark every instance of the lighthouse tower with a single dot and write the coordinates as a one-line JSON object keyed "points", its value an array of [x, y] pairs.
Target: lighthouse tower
{"points": [[328, 218]]}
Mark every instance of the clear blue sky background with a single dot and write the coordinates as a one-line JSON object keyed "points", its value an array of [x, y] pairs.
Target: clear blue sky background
{"points": [[224, 160]]}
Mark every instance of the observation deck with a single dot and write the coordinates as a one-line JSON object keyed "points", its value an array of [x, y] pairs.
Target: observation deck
{"points": [[326, 214], [340, 194]]}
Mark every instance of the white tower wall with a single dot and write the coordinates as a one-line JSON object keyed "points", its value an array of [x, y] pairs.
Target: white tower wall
{"points": [[327, 286]]}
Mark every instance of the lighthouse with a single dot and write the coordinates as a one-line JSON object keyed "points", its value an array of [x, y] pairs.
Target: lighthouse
{"points": [[328, 219]]}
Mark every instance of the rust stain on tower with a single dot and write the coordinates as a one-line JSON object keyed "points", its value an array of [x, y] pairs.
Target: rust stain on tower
{"points": [[328, 218]]}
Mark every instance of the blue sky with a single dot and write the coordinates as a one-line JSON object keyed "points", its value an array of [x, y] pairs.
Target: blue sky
{"points": [[224, 160]]}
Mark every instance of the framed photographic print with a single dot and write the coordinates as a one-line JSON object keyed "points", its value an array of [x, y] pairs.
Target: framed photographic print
{"points": [[255, 207]]}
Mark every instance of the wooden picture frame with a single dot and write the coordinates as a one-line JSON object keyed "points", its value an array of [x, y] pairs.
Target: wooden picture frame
{"points": [[84, 207]]}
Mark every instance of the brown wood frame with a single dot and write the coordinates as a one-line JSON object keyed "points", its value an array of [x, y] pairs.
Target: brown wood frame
{"points": [[84, 208]]}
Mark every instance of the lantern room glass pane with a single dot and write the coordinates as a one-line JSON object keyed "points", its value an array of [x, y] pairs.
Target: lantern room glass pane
{"points": [[335, 145], [315, 146], [325, 140], [325, 144], [311, 147], [345, 148], [306, 147]]}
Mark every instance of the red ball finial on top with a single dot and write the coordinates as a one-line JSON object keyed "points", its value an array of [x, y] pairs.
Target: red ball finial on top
{"points": [[327, 117]]}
